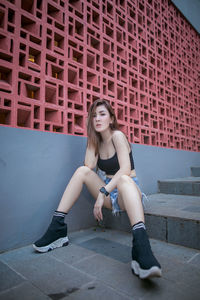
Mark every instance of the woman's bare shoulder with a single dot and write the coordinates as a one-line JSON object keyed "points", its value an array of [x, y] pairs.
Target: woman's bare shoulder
{"points": [[118, 135], [120, 139]]}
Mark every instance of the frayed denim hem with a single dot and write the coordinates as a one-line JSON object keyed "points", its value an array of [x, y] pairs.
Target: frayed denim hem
{"points": [[116, 211]]}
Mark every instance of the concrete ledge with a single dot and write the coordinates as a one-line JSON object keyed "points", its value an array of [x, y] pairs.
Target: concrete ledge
{"points": [[156, 226], [120, 222], [170, 218], [183, 232], [182, 186]]}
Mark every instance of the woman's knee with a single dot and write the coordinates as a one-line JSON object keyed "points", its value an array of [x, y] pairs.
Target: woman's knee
{"points": [[123, 180], [83, 171], [126, 181]]}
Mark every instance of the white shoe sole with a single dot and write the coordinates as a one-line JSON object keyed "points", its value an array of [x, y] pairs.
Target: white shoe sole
{"points": [[142, 273], [56, 244]]}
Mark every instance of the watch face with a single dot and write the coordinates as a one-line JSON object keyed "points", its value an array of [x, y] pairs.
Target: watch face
{"points": [[103, 190]]}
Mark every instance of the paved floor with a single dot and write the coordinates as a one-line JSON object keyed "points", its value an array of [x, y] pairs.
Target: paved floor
{"points": [[96, 265]]}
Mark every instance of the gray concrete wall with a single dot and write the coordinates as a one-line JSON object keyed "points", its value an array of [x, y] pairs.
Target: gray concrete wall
{"points": [[154, 163], [36, 166], [191, 10], [34, 170]]}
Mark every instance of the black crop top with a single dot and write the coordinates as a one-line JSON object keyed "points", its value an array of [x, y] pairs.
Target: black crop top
{"points": [[111, 165]]}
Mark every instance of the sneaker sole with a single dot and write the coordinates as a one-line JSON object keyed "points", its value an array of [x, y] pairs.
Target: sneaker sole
{"points": [[142, 273], [56, 244]]}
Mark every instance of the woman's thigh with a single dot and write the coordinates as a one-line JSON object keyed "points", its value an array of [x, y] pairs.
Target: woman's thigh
{"points": [[93, 183], [135, 192]]}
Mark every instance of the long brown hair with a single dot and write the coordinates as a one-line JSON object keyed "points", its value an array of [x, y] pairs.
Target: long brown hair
{"points": [[94, 138]]}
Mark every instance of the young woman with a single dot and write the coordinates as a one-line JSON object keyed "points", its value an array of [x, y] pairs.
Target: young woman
{"points": [[109, 150]]}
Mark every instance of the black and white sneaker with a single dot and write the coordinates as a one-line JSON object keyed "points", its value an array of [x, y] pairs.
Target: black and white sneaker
{"points": [[154, 271], [144, 264], [55, 236]]}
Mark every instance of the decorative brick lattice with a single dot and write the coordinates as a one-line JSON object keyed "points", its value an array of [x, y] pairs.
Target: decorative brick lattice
{"points": [[57, 57]]}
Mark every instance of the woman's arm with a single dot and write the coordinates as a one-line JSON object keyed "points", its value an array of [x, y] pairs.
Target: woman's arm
{"points": [[90, 158], [122, 148]]}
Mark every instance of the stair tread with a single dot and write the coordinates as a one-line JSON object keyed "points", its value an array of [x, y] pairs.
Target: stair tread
{"points": [[195, 171], [170, 205], [182, 179]]}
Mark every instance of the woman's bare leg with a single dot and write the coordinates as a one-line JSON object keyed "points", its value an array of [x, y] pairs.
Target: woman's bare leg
{"points": [[144, 264], [130, 199], [83, 175], [56, 234]]}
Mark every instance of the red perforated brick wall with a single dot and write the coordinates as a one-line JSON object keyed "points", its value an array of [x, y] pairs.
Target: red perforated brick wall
{"points": [[57, 57]]}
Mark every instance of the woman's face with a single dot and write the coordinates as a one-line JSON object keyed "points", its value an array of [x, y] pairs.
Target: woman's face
{"points": [[101, 119]]}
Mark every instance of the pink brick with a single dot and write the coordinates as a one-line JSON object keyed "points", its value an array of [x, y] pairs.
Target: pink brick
{"points": [[57, 57]]}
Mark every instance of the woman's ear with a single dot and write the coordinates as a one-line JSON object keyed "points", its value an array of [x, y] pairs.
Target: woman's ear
{"points": [[112, 121]]}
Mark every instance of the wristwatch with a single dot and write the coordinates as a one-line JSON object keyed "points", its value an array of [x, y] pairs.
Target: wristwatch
{"points": [[103, 191]]}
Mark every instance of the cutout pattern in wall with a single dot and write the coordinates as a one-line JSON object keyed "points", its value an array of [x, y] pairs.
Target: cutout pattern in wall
{"points": [[57, 57]]}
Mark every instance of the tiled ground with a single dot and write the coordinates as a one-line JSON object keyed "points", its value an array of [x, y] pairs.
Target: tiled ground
{"points": [[96, 265]]}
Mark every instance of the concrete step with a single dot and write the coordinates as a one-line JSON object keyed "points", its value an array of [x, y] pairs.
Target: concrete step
{"points": [[180, 186], [195, 171], [170, 218], [174, 219]]}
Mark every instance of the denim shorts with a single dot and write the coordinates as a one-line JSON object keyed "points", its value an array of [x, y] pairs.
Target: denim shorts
{"points": [[114, 196]]}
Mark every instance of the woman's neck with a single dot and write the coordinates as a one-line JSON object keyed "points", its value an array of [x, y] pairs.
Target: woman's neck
{"points": [[106, 136]]}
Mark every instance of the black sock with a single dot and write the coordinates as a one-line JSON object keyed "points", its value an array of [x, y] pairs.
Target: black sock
{"points": [[138, 226]]}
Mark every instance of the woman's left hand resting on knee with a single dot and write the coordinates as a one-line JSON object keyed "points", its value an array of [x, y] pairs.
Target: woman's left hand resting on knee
{"points": [[98, 207]]}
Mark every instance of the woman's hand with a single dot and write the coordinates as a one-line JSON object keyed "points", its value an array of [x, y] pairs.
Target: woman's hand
{"points": [[98, 207]]}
